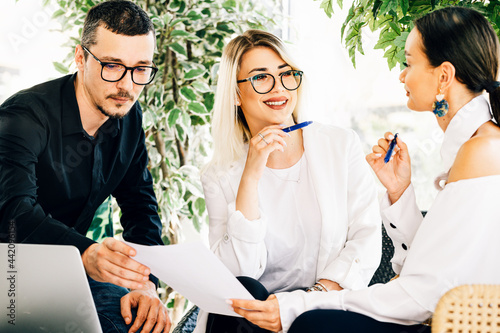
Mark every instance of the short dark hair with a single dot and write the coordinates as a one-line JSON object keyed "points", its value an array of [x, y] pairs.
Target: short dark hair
{"points": [[463, 37], [119, 16]]}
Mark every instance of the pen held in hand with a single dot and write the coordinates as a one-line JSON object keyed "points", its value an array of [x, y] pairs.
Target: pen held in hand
{"points": [[391, 149], [297, 126]]}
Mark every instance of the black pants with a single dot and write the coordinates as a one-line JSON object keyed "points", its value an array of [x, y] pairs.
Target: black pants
{"points": [[227, 324], [338, 321]]}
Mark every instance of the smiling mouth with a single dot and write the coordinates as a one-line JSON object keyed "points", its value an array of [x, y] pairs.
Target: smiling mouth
{"points": [[277, 103]]}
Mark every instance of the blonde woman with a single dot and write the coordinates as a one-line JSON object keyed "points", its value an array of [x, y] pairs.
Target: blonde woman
{"points": [[288, 211]]}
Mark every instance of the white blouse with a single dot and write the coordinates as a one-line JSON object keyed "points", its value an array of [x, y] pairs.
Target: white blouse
{"points": [[293, 239], [456, 243]]}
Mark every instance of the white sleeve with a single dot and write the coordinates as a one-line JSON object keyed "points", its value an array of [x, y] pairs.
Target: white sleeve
{"points": [[238, 242], [383, 302], [401, 221], [456, 244], [360, 256]]}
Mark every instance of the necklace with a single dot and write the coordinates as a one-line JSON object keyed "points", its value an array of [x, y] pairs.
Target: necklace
{"points": [[291, 174]]}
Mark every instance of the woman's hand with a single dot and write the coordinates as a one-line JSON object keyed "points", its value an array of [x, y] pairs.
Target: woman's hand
{"points": [[268, 140], [265, 314], [395, 175], [330, 285]]}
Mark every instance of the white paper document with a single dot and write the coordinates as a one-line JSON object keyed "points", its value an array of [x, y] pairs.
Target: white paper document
{"points": [[195, 272]]}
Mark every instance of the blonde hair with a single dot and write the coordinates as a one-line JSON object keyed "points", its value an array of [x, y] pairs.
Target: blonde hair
{"points": [[229, 129]]}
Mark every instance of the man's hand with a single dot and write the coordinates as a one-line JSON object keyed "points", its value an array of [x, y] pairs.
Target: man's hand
{"points": [[265, 314], [150, 310], [111, 262]]}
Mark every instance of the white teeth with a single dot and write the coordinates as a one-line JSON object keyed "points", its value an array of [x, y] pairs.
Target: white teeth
{"points": [[275, 103]]}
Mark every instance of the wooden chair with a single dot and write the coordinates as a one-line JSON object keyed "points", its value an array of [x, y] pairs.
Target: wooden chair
{"points": [[468, 309]]}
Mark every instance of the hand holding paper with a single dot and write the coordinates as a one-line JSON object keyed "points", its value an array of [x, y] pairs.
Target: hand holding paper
{"points": [[195, 272]]}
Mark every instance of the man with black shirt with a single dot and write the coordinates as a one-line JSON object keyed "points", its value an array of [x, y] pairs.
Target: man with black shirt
{"points": [[67, 144]]}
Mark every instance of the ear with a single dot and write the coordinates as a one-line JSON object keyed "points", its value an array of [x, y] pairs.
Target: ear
{"points": [[237, 101], [446, 75], [80, 58]]}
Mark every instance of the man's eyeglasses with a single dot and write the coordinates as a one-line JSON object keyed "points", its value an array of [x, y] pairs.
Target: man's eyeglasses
{"points": [[264, 83], [113, 72]]}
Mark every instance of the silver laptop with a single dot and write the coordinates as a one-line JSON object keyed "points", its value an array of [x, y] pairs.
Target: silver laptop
{"points": [[44, 288]]}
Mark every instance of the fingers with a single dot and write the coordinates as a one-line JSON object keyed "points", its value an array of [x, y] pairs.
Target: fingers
{"points": [[126, 308], [142, 315], [264, 314], [128, 268], [246, 304], [163, 322], [124, 260], [117, 246], [151, 313], [403, 148], [388, 136], [373, 158], [380, 150], [270, 139], [153, 318]]}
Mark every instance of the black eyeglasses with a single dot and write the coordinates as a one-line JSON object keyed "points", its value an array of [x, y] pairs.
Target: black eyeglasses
{"points": [[114, 72], [264, 83]]}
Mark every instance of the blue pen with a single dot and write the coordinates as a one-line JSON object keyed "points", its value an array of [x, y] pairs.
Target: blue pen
{"points": [[297, 126], [391, 149]]}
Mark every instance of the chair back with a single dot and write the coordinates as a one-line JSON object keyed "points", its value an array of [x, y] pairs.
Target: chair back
{"points": [[468, 308]]}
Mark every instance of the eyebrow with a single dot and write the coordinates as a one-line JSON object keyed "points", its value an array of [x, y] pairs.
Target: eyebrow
{"points": [[407, 54], [111, 59], [265, 69]]}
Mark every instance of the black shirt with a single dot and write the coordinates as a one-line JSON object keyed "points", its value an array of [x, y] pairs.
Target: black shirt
{"points": [[53, 175]]}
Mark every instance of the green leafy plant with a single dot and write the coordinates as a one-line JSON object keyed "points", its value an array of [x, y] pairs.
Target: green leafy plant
{"points": [[394, 19], [177, 105]]}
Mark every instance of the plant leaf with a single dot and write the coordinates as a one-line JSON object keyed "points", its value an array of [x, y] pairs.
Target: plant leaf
{"points": [[197, 108], [178, 48], [201, 87], [194, 74], [173, 115], [188, 94]]}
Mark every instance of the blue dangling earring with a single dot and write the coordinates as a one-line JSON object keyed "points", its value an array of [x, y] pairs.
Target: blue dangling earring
{"points": [[440, 106]]}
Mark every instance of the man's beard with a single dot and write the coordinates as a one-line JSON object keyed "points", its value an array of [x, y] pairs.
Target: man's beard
{"points": [[117, 115]]}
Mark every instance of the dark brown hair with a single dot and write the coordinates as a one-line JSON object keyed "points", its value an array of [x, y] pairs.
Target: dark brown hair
{"points": [[118, 16], [466, 39]]}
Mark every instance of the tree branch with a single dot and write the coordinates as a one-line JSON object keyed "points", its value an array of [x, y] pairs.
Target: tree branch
{"points": [[160, 146]]}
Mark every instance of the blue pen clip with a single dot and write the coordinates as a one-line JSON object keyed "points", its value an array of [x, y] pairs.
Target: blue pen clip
{"points": [[297, 126], [391, 149]]}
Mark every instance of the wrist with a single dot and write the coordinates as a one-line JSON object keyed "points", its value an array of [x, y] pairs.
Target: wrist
{"points": [[319, 286], [87, 252], [250, 178], [395, 195], [148, 286]]}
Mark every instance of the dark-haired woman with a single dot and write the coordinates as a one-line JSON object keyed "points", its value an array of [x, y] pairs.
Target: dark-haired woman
{"points": [[452, 57]]}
